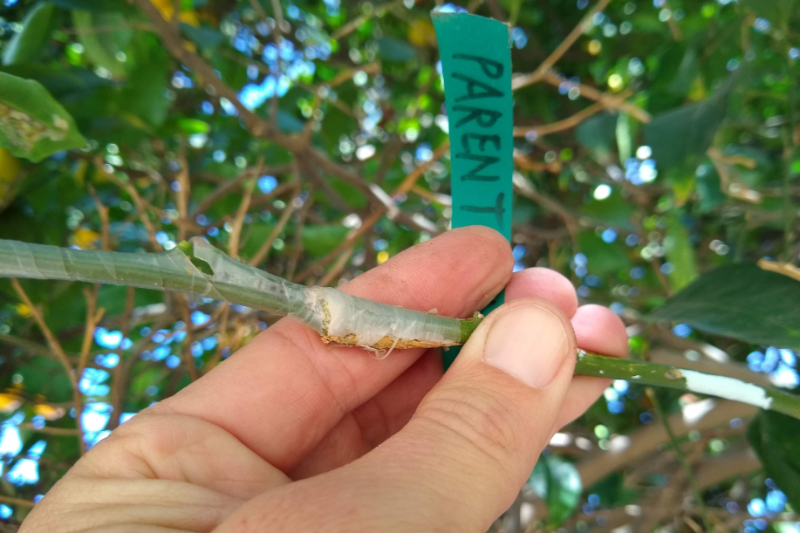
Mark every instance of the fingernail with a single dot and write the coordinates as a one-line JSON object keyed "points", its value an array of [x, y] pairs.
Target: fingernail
{"points": [[529, 342]]}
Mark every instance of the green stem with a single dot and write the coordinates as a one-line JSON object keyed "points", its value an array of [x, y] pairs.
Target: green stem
{"points": [[672, 377], [201, 269]]}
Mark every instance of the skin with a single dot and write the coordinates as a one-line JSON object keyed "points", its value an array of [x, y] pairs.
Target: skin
{"points": [[289, 434]]}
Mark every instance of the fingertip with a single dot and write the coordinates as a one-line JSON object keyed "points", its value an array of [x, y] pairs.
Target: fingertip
{"points": [[491, 243], [599, 329], [543, 283]]}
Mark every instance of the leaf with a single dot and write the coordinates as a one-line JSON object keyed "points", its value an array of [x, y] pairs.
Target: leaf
{"points": [[289, 123], [45, 376], [193, 125], [708, 189], [319, 240], [557, 482], [26, 46], [614, 210], [686, 74], [89, 5], [688, 130], [776, 440], [145, 93], [204, 37], [740, 301], [680, 254], [390, 49], [32, 124], [421, 32], [603, 257], [104, 48], [776, 11], [597, 132], [9, 177], [624, 137], [64, 84]]}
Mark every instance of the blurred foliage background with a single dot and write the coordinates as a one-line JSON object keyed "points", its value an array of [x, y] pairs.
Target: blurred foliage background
{"points": [[655, 143]]}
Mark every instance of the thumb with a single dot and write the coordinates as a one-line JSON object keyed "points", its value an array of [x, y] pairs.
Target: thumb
{"points": [[477, 435]]}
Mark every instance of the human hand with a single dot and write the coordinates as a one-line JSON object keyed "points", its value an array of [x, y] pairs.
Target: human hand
{"points": [[291, 434]]}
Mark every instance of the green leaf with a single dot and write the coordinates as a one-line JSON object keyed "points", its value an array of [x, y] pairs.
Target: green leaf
{"points": [[390, 49], [33, 124], [686, 74], [319, 240], [104, 48], [740, 301], [145, 94], [289, 123], [688, 130], [680, 253], [597, 132], [624, 137], [90, 5], [193, 125], [45, 376], [776, 11], [26, 46], [776, 440], [614, 210], [708, 188], [204, 37], [603, 257], [558, 483]]}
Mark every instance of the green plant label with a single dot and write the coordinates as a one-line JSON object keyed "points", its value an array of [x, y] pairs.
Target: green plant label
{"points": [[476, 65]]}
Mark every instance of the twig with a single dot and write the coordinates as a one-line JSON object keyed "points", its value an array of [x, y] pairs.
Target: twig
{"points": [[31, 347], [647, 439], [119, 374], [254, 123], [348, 242], [277, 12], [273, 103], [404, 187], [93, 317], [258, 9], [228, 186], [183, 193], [186, 349], [674, 29], [141, 209], [789, 150], [111, 28], [787, 269], [17, 501], [58, 432], [526, 163], [529, 79], [238, 221], [687, 468], [336, 269], [610, 101], [727, 184], [263, 251], [297, 247], [59, 354], [525, 188], [439, 198], [561, 125], [222, 342], [105, 225], [351, 26]]}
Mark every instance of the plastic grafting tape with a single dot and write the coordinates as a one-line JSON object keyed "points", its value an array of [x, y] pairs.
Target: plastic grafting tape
{"points": [[476, 65]]}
